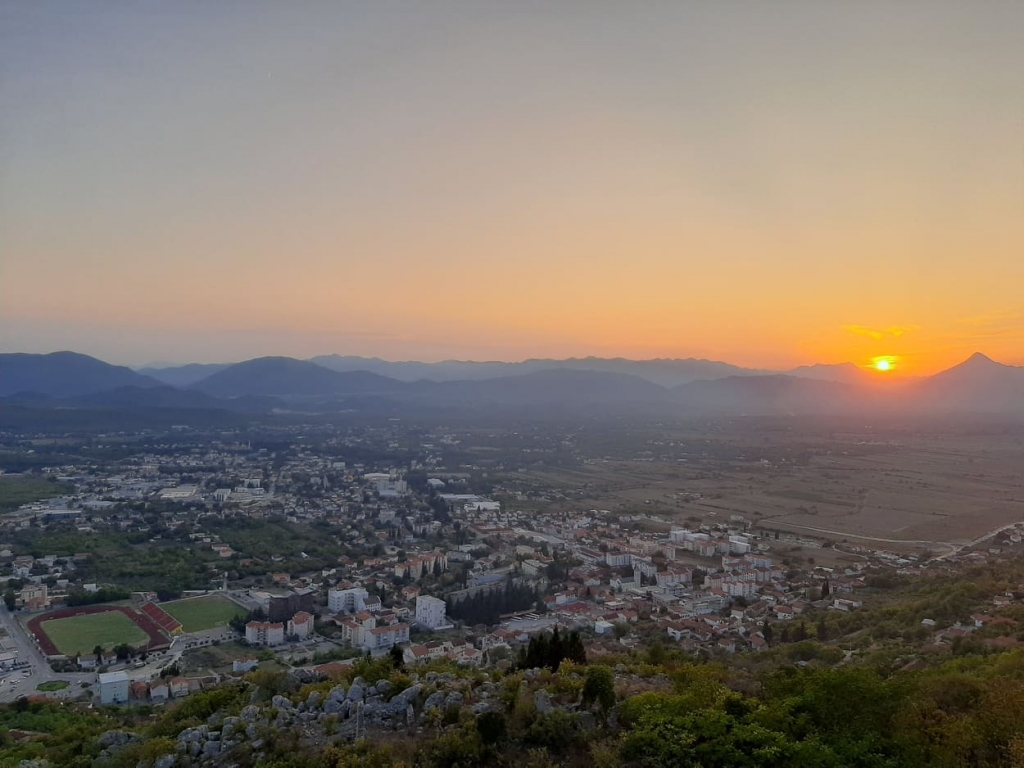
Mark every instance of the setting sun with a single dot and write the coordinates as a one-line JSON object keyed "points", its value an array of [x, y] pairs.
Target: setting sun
{"points": [[884, 363]]}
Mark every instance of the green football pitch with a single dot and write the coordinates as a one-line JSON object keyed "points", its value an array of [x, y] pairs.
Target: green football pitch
{"points": [[197, 614], [81, 634]]}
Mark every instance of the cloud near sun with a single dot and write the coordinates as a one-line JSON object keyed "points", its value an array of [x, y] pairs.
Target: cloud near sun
{"points": [[893, 330]]}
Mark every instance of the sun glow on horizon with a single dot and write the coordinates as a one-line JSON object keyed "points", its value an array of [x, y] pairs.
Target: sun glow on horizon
{"points": [[884, 363]]}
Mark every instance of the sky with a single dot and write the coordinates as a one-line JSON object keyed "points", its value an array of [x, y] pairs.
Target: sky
{"points": [[770, 184]]}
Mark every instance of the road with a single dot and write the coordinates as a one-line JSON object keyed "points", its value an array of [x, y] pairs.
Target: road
{"points": [[951, 548], [39, 672]]}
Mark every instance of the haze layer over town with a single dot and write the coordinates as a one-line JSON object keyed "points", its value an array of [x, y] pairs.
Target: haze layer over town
{"points": [[583, 384]]}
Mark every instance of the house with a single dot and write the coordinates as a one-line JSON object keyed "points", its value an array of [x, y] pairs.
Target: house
{"points": [[138, 690], [179, 687], [113, 687], [244, 665], [158, 691]]}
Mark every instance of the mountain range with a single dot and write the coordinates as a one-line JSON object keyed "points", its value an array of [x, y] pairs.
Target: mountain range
{"points": [[670, 387]]}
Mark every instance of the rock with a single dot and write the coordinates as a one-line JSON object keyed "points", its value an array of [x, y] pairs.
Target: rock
{"points": [[251, 732], [337, 693], [360, 682], [230, 724], [250, 714], [355, 693], [483, 706], [314, 699], [211, 749], [587, 721], [117, 738], [542, 701], [410, 694], [165, 761], [371, 691], [434, 701], [195, 748], [281, 702], [332, 707], [382, 686], [410, 715], [431, 677], [373, 706]]}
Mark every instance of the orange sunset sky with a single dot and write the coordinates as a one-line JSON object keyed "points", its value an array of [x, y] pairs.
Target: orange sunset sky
{"points": [[771, 184]]}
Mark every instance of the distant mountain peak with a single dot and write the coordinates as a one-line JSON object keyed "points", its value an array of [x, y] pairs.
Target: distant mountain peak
{"points": [[980, 358]]}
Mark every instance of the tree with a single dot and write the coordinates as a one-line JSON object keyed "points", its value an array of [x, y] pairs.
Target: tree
{"points": [[826, 589], [822, 630], [769, 632], [801, 633], [492, 727], [575, 652], [98, 652], [10, 599], [397, 657], [599, 687]]}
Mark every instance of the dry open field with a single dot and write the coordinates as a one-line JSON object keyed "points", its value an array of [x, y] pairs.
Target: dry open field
{"points": [[942, 489]]}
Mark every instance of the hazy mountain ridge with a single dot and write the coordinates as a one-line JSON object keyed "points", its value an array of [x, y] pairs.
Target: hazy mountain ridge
{"points": [[978, 385], [667, 372], [64, 374]]}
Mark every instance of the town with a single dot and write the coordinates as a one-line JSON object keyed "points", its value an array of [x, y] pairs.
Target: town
{"points": [[191, 559]]}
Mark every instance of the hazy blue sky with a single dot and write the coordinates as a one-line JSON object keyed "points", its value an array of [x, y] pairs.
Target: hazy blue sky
{"points": [[770, 183]]}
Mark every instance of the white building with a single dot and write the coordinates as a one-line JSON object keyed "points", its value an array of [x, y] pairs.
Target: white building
{"points": [[430, 612], [113, 687], [301, 625], [382, 638], [347, 600], [264, 633]]}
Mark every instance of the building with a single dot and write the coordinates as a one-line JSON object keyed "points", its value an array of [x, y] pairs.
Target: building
{"points": [[430, 612], [34, 597], [113, 687], [301, 625], [347, 600], [244, 665], [264, 633], [382, 638], [280, 605]]}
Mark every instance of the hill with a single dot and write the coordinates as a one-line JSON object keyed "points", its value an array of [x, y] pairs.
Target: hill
{"points": [[666, 372], [64, 374], [288, 377], [979, 384], [183, 375]]}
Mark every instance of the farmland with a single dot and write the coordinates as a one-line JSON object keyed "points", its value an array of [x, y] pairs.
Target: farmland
{"points": [[906, 490]]}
